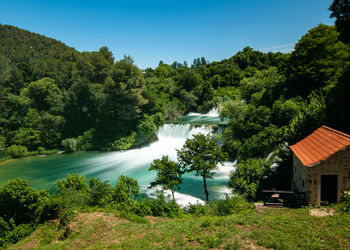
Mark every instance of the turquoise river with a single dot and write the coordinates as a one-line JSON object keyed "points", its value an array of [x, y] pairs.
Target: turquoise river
{"points": [[42, 172]]}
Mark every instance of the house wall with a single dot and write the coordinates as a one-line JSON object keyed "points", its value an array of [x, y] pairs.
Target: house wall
{"points": [[300, 177], [337, 164]]}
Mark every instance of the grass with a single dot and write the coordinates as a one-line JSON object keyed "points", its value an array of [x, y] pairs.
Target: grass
{"points": [[5, 159], [268, 228]]}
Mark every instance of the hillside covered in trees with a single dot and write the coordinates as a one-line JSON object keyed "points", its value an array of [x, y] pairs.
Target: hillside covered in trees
{"points": [[50, 92], [53, 95]]}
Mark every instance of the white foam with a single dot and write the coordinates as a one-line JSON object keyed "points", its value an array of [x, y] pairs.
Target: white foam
{"points": [[224, 171], [214, 112], [183, 200]]}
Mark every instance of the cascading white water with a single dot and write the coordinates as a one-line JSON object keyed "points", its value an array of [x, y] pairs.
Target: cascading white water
{"points": [[42, 172]]}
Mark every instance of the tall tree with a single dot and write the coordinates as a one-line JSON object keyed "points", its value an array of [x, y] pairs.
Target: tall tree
{"points": [[341, 11], [168, 174], [201, 155], [318, 59], [124, 88]]}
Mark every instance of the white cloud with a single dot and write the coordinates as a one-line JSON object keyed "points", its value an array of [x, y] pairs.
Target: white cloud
{"points": [[279, 48]]}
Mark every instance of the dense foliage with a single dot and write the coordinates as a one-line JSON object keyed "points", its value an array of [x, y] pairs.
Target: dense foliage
{"points": [[52, 95], [23, 208]]}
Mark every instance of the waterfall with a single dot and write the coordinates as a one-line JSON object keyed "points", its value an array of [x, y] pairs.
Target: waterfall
{"points": [[183, 131], [133, 163]]}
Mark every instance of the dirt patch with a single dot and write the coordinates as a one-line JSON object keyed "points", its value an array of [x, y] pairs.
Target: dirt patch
{"points": [[321, 212], [247, 244], [87, 218], [153, 220]]}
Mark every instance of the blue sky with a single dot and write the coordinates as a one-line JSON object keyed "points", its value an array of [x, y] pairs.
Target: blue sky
{"points": [[166, 30]]}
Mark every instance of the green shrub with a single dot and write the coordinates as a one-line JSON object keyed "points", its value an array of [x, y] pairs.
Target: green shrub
{"points": [[31, 153], [123, 143], [41, 150], [86, 141], [66, 217], [72, 182], [232, 205], [198, 209], [19, 201], [163, 206], [126, 189], [50, 152], [133, 217], [344, 206], [248, 176], [100, 192], [16, 151], [20, 232], [70, 144], [49, 209]]}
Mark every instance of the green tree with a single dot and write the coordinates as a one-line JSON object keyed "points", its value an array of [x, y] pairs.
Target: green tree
{"points": [[247, 177], [341, 11], [73, 182], [189, 80], [168, 174], [201, 155], [318, 60], [19, 201], [45, 95], [124, 89], [100, 191], [126, 189]]}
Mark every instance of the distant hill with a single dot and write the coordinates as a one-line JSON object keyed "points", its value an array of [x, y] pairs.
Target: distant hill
{"points": [[35, 56]]}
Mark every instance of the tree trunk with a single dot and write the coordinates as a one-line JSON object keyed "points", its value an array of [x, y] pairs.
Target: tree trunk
{"points": [[205, 188], [173, 195]]}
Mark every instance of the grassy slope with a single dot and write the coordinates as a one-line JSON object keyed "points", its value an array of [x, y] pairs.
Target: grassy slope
{"points": [[271, 228]]}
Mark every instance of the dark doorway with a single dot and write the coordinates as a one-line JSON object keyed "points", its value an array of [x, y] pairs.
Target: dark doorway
{"points": [[329, 188]]}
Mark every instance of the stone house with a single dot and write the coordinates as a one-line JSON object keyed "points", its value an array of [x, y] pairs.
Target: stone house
{"points": [[321, 166]]}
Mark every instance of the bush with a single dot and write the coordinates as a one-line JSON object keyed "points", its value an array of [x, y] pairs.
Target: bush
{"points": [[133, 217], [18, 201], [100, 192], [65, 217], [86, 141], [70, 144], [49, 209], [232, 205], [123, 143], [72, 182], [126, 189], [198, 209], [344, 206], [16, 151], [163, 206], [20, 232], [247, 178]]}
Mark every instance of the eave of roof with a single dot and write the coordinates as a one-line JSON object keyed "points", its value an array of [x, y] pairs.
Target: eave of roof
{"points": [[320, 145]]}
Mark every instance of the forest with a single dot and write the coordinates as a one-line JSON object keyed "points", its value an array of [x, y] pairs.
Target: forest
{"points": [[52, 95]]}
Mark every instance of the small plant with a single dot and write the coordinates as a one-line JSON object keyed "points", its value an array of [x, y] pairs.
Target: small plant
{"points": [[344, 206], [16, 151], [41, 150], [70, 144], [66, 217], [134, 218]]}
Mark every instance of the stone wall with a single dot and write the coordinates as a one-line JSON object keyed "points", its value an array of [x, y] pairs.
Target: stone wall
{"points": [[300, 177], [337, 164]]}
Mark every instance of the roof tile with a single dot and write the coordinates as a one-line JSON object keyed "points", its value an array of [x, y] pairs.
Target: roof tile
{"points": [[321, 144]]}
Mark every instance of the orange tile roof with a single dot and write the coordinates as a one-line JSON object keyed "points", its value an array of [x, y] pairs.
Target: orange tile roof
{"points": [[320, 145]]}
